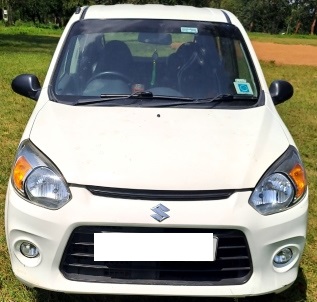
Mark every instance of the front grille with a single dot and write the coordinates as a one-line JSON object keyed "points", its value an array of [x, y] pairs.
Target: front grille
{"points": [[175, 195], [232, 266]]}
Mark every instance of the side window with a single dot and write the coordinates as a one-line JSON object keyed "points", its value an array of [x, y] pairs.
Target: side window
{"points": [[235, 62], [68, 67], [228, 56], [244, 69], [70, 59], [74, 58]]}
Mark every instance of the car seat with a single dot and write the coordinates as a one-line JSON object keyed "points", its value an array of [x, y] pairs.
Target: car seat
{"points": [[198, 69], [116, 57], [113, 71], [176, 61]]}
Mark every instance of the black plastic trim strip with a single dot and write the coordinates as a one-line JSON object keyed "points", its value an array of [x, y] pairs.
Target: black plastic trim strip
{"points": [[84, 13], [171, 195], [261, 100], [227, 16]]}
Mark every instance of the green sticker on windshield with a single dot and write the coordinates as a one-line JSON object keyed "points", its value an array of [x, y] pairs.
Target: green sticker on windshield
{"points": [[189, 30], [242, 87]]}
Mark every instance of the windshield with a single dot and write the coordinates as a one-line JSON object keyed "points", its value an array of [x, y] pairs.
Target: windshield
{"points": [[179, 59]]}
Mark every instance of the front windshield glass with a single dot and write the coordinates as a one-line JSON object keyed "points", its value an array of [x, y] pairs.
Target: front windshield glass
{"points": [[179, 59]]}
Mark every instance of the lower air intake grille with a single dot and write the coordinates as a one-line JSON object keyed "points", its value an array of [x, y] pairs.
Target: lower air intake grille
{"points": [[232, 266]]}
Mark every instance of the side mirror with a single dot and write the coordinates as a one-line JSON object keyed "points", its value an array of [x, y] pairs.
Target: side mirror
{"points": [[27, 85], [281, 91]]}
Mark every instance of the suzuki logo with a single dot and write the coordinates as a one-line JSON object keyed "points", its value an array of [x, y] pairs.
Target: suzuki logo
{"points": [[159, 211]]}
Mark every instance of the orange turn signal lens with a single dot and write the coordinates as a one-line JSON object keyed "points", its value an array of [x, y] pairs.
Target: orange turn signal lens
{"points": [[20, 170], [299, 178]]}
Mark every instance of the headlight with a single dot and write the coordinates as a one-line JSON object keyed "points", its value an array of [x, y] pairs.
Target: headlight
{"points": [[36, 178], [282, 186]]}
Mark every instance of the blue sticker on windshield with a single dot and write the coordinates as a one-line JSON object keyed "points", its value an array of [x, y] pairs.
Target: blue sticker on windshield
{"points": [[242, 87], [189, 30]]}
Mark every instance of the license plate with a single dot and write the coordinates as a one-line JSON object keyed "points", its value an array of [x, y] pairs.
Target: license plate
{"points": [[154, 246]]}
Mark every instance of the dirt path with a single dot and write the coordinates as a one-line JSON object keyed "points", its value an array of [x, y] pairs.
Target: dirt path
{"points": [[286, 54]]}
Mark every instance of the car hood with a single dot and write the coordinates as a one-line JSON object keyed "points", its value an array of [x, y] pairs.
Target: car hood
{"points": [[159, 148]]}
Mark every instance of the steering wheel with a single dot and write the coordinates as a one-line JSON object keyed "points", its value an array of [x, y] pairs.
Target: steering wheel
{"points": [[111, 74]]}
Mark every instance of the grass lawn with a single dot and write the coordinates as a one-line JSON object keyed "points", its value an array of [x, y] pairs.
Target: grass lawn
{"points": [[285, 39], [22, 51]]}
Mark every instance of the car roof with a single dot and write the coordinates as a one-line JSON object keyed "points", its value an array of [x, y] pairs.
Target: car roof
{"points": [[155, 11]]}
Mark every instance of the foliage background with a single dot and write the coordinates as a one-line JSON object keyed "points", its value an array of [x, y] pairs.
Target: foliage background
{"points": [[269, 16]]}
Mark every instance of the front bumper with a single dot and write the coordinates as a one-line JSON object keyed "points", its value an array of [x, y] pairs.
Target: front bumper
{"points": [[50, 232]]}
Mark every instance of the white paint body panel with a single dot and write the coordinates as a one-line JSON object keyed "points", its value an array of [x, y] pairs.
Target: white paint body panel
{"points": [[151, 11], [183, 149]]}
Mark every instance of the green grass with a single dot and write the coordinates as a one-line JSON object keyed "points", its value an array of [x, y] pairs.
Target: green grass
{"points": [[285, 39], [300, 115], [29, 29], [31, 53]]}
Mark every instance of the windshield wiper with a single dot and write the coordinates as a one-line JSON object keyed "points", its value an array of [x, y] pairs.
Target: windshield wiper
{"points": [[112, 99], [103, 98], [204, 102], [190, 101], [220, 97], [142, 98]]}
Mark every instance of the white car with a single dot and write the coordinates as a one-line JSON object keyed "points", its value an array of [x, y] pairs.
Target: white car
{"points": [[155, 162]]}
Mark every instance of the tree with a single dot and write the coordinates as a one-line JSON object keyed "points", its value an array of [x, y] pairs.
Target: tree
{"points": [[313, 25], [34, 10], [260, 15], [271, 16]]}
